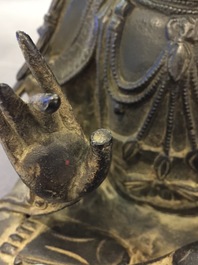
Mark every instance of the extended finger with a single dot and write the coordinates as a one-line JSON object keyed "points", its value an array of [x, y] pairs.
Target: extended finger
{"points": [[44, 76], [37, 64], [16, 112], [11, 141]]}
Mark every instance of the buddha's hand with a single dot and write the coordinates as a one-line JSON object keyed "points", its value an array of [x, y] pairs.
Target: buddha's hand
{"points": [[45, 144]]}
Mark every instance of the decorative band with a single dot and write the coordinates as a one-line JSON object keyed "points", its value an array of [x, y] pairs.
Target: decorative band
{"points": [[183, 7]]}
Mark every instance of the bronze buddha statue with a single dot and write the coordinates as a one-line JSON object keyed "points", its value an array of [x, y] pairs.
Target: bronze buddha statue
{"points": [[129, 70]]}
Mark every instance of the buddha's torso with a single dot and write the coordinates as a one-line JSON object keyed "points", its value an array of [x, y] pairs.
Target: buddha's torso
{"points": [[148, 87], [138, 67]]}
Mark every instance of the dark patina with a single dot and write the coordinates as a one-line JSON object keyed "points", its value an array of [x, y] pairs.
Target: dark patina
{"points": [[104, 69]]}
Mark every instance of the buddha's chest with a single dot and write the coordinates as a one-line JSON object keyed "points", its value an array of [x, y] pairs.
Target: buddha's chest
{"points": [[147, 70], [147, 75], [148, 94]]}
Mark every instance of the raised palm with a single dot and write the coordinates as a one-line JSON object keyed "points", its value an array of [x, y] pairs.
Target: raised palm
{"points": [[47, 146]]}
